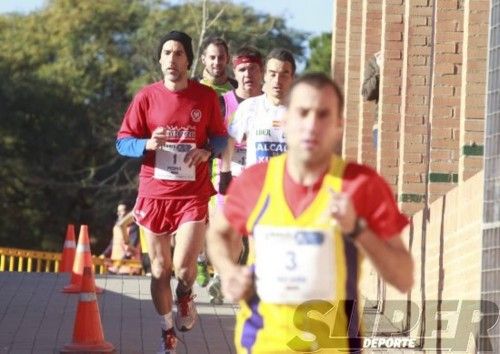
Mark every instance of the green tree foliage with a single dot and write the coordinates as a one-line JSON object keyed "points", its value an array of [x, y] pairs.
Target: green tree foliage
{"points": [[64, 84], [321, 53], [238, 25], [67, 74]]}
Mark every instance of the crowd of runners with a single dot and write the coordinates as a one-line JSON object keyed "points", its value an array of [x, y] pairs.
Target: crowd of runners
{"points": [[241, 173]]}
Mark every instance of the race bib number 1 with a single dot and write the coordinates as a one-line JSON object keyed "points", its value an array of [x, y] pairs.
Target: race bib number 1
{"points": [[169, 162], [294, 265]]}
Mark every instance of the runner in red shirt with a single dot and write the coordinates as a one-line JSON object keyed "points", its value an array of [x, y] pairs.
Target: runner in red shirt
{"points": [[176, 126]]}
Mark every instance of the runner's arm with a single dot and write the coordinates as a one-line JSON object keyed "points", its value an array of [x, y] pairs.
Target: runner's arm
{"points": [[217, 144], [133, 135], [216, 130], [391, 258], [227, 155], [238, 126], [123, 224], [224, 246], [131, 147], [389, 254], [367, 197], [226, 177]]}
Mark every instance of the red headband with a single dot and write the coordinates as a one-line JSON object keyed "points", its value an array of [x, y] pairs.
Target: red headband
{"points": [[244, 59]]}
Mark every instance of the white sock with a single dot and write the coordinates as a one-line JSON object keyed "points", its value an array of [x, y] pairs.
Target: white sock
{"points": [[202, 258], [166, 321]]}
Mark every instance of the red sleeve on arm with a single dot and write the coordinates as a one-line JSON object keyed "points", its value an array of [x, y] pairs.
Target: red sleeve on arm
{"points": [[242, 196], [373, 200], [134, 121], [216, 126]]}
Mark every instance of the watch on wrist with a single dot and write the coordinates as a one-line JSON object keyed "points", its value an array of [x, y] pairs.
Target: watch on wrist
{"points": [[359, 227]]}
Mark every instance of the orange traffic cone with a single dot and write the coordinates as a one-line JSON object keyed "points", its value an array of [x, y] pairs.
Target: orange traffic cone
{"points": [[87, 332], [68, 254], [83, 258]]}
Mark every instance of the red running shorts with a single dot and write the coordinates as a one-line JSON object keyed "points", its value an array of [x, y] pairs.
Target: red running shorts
{"points": [[162, 216]]}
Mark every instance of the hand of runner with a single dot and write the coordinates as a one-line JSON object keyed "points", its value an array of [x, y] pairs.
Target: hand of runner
{"points": [[237, 283], [342, 209], [196, 156], [158, 139]]}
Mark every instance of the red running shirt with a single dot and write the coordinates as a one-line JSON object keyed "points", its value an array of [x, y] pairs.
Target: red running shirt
{"points": [[190, 116], [372, 198]]}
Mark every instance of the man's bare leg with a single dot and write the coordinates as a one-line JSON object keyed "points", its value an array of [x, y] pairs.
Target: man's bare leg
{"points": [[189, 242], [202, 276], [161, 270], [190, 237]]}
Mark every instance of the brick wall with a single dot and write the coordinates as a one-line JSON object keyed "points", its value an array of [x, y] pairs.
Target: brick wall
{"points": [[351, 78], [430, 134], [443, 271], [370, 44], [338, 41], [417, 64], [390, 99], [472, 108], [445, 97], [432, 85]]}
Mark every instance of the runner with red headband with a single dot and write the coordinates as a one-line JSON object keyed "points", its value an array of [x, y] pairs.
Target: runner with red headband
{"points": [[247, 57], [258, 120], [257, 123], [248, 71]]}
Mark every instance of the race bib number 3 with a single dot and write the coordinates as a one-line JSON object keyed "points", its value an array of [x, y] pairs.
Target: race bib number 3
{"points": [[294, 265], [169, 162]]}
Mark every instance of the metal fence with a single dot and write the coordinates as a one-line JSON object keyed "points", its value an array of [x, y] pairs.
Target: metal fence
{"points": [[21, 260]]}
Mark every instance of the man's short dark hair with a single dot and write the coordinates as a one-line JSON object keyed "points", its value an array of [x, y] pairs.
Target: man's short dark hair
{"points": [[318, 81], [282, 54], [217, 41]]}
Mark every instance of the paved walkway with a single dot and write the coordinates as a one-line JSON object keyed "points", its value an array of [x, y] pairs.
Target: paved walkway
{"points": [[36, 317]]}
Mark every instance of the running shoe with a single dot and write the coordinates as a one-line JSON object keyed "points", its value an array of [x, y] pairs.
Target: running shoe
{"points": [[215, 291], [168, 341], [186, 313], [202, 276]]}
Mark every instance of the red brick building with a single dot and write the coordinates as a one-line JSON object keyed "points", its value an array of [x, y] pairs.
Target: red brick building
{"points": [[430, 134]]}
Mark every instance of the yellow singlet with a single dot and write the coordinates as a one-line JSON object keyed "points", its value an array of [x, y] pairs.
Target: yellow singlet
{"points": [[306, 274]]}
